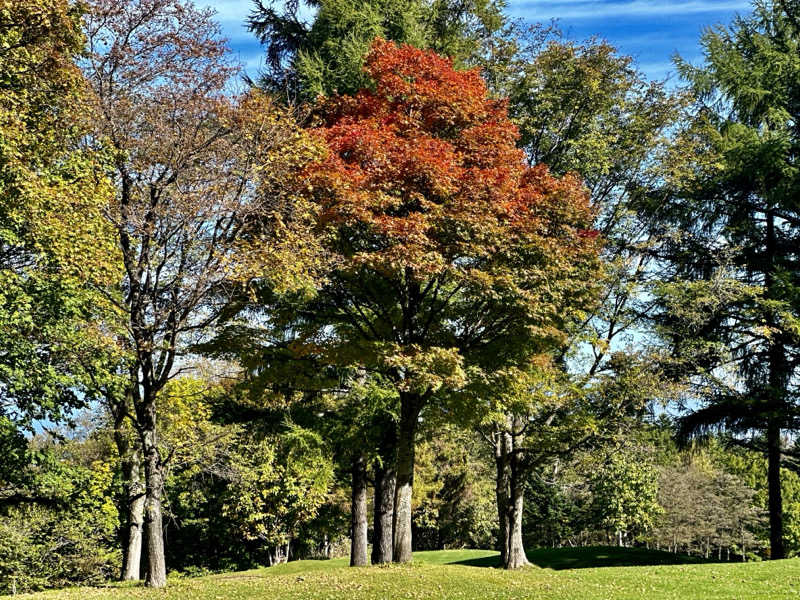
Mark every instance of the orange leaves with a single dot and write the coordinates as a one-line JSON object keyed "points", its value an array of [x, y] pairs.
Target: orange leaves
{"points": [[428, 83], [423, 177]]}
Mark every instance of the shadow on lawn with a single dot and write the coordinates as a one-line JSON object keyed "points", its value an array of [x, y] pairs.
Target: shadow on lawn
{"points": [[591, 557]]}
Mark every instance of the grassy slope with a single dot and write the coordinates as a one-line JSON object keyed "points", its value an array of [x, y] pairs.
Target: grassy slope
{"points": [[564, 574]]}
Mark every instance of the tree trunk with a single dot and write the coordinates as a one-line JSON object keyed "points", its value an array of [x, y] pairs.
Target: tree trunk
{"points": [[502, 492], [779, 375], [774, 487], [385, 481], [515, 553], [156, 575], [410, 405], [358, 513], [134, 506]]}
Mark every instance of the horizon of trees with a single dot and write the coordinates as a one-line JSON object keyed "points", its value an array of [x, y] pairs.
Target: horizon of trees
{"points": [[483, 282]]}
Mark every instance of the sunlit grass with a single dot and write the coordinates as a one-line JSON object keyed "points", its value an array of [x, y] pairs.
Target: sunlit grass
{"points": [[466, 574]]}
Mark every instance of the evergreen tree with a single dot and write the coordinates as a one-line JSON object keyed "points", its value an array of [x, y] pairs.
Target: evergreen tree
{"points": [[733, 234], [326, 56]]}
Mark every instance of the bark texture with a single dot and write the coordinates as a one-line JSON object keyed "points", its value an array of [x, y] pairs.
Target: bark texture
{"points": [[135, 500], [132, 510], [409, 413], [156, 575], [515, 550], [510, 496], [501, 493], [385, 482], [358, 514]]}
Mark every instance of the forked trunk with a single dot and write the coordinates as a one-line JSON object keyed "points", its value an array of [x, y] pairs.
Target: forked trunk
{"points": [[358, 521]]}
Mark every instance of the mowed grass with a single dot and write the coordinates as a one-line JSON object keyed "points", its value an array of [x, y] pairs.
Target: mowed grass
{"points": [[468, 574]]}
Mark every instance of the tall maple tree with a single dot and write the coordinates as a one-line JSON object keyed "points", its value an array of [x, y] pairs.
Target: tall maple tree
{"points": [[449, 257]]}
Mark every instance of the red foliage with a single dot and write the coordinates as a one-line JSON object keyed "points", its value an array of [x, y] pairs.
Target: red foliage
{"points": [[427, 164]]}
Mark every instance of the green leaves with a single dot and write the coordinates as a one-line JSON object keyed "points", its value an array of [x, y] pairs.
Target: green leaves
{"points": [[278, 483]]}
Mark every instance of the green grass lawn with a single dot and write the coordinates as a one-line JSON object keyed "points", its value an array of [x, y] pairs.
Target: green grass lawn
{"points": [[580, 573]]}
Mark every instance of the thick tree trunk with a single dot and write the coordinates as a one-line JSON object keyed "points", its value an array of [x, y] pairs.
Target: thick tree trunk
{"points": [[409, 413], [515, 552], [385, 480], [156, 575], [134, 506], [774, 487], [358, 513]]}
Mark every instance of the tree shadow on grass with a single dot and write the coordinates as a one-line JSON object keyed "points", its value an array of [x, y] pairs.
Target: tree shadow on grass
{"points": [[591, 557]]}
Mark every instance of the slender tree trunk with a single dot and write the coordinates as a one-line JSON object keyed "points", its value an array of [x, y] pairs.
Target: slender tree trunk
{"points": [[515, 555], [385, 480], [358, 513], [410, 405], [156, 575], [132, 510], [134, 506], [778, 379], [774, 487], [502, 492]]}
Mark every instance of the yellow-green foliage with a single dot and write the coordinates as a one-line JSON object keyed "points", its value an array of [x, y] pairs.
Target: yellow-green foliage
{"points": [[277, 484], [66, 541], [53, 237]]}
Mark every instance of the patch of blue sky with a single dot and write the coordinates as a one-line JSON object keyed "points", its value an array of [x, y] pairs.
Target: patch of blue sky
{"points": [[652, 31]]}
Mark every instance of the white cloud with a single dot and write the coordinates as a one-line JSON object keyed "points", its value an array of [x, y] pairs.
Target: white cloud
{"points": [[588, 9], [228, 11]]}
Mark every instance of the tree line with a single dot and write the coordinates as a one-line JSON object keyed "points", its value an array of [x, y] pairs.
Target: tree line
{"points": [[461, 270]]}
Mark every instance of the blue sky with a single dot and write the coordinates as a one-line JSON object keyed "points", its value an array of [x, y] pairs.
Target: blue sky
{"points": [[652, 31]]}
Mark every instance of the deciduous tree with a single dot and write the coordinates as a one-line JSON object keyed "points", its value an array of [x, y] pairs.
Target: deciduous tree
{"points": [[449, 256], [197, 173], [53, 238]]}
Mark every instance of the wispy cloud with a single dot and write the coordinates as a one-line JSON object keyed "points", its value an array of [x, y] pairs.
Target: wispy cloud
{"points": [[228, 11], [599, 9]]}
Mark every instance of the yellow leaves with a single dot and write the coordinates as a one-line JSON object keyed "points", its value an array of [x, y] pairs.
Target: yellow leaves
{"points": [[425, 369], [53, 190]]}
